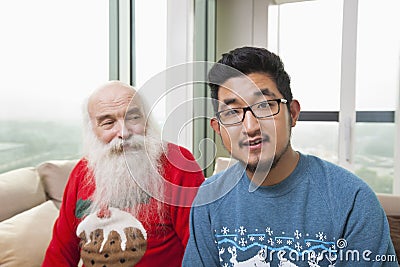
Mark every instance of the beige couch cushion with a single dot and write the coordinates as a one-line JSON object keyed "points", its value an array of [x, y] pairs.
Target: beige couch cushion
{"points": [[20, 190], [223, 163], [391, 205], [54, 175], [394, 222], [25, 237]]}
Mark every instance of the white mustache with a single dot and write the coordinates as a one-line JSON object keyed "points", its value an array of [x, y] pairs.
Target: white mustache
{"points": [[117, 145]]}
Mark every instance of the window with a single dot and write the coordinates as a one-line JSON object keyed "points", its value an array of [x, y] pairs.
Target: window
{"points": [[376, 90], [53, 53], [162, 42], [347, 81], [308, 44], [317, 138], [150, 47]]}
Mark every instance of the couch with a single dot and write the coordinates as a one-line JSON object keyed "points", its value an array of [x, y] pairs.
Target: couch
{"points": [[30, 199]]}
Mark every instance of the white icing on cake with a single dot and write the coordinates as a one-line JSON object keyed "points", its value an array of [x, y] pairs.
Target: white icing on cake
{"points": [[118, 221]]}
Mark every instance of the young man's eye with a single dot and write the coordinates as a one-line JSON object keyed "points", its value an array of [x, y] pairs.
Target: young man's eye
{"points": [[264, 104], [230, 112]]}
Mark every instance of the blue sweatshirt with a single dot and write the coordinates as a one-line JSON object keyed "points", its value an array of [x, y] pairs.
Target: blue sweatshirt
{"points": [[321, 215]]}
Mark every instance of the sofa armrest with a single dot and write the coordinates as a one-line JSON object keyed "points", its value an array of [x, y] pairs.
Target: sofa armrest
{"points": [[25, 236], [391, 205], [20, 190]]}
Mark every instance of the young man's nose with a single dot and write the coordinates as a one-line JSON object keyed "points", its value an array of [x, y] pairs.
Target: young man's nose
{"points": [[250, 123]]}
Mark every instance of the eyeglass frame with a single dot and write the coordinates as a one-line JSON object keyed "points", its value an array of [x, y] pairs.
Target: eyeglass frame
{"points": [[249, 108]]}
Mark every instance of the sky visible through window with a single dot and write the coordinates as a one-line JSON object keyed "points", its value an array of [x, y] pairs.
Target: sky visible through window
{"points": [[310, 45], [53, 54]]}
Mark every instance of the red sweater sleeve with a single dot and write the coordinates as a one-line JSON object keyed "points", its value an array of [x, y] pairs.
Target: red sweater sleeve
{"points": [[63, 249], [183, 171]]}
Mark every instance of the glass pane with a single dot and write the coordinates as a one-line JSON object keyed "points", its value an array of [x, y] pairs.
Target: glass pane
{"points": [[310, 36], [317, 138], [378, 55], [29, 142], [151, 47], [374, 155], [53, 53]]}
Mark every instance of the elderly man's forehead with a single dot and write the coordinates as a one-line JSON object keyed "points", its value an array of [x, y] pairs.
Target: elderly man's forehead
{"points": [[111, 91], [113, 95]]}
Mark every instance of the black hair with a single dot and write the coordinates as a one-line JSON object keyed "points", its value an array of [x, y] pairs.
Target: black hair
{"points": [[247, 60]]}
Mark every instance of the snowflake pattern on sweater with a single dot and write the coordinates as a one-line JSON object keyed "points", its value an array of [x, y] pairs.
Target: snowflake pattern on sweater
{"points": [[311, 248]]}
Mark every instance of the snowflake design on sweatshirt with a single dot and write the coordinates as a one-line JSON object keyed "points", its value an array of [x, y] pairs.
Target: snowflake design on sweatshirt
{"points": [[224, 230], [321, 236], [298, 246], [243, 242], [242, 230], [297, 234], [269, 231]]}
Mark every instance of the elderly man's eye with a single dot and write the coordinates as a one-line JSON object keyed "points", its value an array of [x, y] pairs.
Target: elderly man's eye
{"points": [[106, 123], [133, 117]]}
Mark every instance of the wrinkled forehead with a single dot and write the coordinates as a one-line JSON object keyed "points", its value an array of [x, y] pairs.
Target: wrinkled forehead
{"points": [[136, 101], [111, 99]]}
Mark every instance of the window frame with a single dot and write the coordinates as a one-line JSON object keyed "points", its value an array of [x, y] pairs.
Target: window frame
{"points": [[348, 116]]}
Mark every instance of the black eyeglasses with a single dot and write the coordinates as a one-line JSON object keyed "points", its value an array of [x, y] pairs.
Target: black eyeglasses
{"points": [[264, 109]]}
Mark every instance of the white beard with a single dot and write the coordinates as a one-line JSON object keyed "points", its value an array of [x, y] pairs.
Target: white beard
{"points": [[125, 178]]}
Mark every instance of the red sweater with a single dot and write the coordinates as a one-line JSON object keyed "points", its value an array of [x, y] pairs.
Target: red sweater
{"points": [[166, 237]]}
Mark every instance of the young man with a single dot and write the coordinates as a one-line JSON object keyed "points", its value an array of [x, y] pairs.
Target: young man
{"points": [[127, 202], [277, 207]]}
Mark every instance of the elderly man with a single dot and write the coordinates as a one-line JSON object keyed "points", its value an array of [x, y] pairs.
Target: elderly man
{"points": [[127, 202]]}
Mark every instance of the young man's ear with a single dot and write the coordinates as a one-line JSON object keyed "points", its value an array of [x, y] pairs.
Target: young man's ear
{"points": [[215, 125], [294, 111]]}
